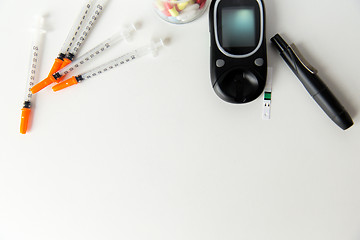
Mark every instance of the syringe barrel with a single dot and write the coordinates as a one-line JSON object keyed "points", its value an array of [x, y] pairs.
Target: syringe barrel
{"points": [[91, 19], [110, 65], [34, 60], [78, 26], [129, 57], [93, 53]]}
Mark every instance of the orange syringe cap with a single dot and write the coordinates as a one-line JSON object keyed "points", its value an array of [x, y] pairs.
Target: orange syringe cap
{"points": [[25, 115], [56, 66], [50, 79], [65, 84], [43, 84], [64, 64]]}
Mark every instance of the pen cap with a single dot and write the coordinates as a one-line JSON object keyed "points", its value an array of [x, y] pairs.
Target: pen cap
{"points": [[279, 43]]}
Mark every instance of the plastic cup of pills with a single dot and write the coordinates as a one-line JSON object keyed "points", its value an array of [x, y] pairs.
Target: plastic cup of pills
{"points": [[180, 11]]}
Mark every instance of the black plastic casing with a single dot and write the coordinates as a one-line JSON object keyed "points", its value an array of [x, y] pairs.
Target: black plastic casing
{"points": [[314, 85], [239, 80]]}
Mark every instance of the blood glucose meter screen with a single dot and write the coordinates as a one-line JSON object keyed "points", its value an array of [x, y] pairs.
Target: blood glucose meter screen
{"points": [[238, 27]]}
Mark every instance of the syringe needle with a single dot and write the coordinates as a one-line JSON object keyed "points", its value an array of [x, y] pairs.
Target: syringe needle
{"points": [[129, 57], [33, 71]]}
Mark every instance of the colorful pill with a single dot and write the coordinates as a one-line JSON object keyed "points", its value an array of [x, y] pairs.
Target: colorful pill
{"points": [[201, 3], [166, 13], [159, 5], [172, 9], [188, 13], [181, 6], [180, 11]]}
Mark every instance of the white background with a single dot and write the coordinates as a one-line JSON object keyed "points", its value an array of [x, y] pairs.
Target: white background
{"points": [[148, 151]]}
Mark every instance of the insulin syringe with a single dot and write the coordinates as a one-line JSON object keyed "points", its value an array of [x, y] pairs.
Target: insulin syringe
{"points": [[93, 53], [90, 21], [72, 36], [77, 35], [38, 32], [129, 57]]}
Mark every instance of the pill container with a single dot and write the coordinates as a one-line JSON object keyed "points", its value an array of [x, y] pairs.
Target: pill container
{"points": [[180, 11]]}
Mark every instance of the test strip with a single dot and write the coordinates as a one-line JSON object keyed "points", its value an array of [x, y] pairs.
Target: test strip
{"points": [[267, 96]]}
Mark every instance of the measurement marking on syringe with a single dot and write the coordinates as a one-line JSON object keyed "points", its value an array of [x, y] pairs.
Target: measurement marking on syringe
{"points": [[98, 72], [87, 29], [88, 6], [129, 57], [107, 45], [35, 56], [34, 63]]}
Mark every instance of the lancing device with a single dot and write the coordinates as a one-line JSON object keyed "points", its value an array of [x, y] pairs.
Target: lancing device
{"points": [[313, 84]]}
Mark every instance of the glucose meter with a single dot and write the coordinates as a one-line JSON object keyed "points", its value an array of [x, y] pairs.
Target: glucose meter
{"points": [[238, 56]]}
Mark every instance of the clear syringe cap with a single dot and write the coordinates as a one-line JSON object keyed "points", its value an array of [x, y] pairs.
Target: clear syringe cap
{"points": [[155, 45], [38, 23], [128, 32]]}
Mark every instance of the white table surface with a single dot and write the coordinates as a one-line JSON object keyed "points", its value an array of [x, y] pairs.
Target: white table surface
{"points": [[148, 151]]}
